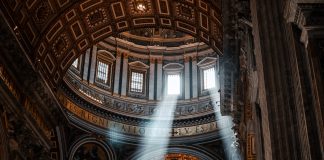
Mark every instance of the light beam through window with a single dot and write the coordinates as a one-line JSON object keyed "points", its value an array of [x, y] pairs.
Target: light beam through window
{"points": [[173, 84], [209, 78]]}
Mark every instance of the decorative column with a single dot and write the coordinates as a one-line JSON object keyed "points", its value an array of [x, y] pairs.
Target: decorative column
{"points": [[159, 76], [117, 73], [187, 77], [194, 78], [151, 82], [124, 77], [93, 64], [86, 65]]}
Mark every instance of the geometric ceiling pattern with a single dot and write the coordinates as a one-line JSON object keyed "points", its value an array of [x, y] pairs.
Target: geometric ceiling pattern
{"points": [[53, 33]]}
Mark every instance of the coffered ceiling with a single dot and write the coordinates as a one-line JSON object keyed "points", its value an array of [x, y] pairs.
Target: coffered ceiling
{"points": [[55, 32]]}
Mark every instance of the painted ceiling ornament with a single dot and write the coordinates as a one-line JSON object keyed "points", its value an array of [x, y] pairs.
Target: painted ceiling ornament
{"points": [[42, 12], [140, 7]]}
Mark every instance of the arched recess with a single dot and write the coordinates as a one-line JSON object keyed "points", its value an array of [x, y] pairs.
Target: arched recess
{"points": [[193, 151], [102, 146], [55, 33]]}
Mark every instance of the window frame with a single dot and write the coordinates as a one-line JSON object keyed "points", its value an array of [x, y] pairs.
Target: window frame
{"points": [[109, 61], [167, 83], [143, 83], [108, 72], [203, 78], [171, 69], [139, 67], [206, 63]]}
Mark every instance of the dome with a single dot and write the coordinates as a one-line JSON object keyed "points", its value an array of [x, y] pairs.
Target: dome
{"points": [[130, 77]]}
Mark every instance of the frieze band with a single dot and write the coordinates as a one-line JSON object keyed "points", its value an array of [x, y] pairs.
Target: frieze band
{"points": [[136, 130]]}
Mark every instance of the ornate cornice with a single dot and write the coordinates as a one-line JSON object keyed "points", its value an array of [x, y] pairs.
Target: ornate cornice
{"points": [[142, 109]]}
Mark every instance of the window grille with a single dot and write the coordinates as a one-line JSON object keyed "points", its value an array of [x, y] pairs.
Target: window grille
{"points": [[102, 72], [137, 82], [209, 78]]}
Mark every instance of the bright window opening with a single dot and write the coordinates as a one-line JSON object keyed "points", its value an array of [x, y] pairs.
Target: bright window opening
{"points": [[209, 78], [102, 72], [173, 84], [137, 82], [75, 63]]}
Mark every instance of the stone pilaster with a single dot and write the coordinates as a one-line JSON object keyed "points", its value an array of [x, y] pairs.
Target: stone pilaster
{"points": [[86, 65], [152, 79], [117, 73], [194, 73], [187, 77], [159, 84], [124, 77], [93, 64]]}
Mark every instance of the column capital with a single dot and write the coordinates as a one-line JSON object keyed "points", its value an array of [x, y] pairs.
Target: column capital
{"points": [[159, 60], [152, 60], [118, 54], [125, 55], [186, 59]]}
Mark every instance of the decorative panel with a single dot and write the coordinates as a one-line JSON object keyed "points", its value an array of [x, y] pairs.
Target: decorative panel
{"points": [[49, 63], [70, 15], [60, 45], [54, 30], [62, 2], [144, 21], [185, 12], [96, 18], [76, 30], [89, 4], [122, 25], [186, 27], [163, 6], [83, 44], [118, 10]]}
